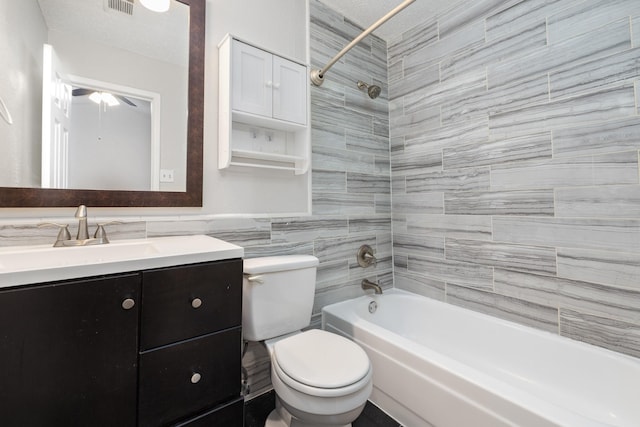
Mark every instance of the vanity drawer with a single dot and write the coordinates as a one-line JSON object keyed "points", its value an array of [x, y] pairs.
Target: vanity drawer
{"points": [[186, 378], [188, 301]]}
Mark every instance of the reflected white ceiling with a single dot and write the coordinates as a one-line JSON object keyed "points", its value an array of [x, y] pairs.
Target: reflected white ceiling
{"points": [[366, 12]]}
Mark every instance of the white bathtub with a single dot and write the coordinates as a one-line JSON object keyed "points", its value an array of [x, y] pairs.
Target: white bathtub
{"points": [[441, 365]]}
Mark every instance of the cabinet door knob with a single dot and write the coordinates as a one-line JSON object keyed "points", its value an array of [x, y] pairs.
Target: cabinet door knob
{"points": [[276, 85], [195, 378], [196, 302], [269, 83], [128, 304]]}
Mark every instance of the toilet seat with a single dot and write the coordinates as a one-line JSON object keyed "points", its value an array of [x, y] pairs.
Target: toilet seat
{"points": [[321, 363]]}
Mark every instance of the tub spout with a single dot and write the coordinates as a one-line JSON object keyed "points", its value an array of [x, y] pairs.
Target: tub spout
{"points": [[367, 284]]}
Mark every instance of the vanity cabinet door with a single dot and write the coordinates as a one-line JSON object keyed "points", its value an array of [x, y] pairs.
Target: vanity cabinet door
{"points": [[68, 353]]}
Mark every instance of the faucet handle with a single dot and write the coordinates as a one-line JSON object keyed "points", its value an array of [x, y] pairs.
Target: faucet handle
{"points": [[101, 233], [63, 232]]}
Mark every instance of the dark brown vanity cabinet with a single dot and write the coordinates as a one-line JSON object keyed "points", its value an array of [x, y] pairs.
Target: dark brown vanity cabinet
{"points": [[151, 348]]}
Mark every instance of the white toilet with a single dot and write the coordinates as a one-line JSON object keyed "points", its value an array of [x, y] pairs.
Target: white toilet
{"points": [[320, 378]]}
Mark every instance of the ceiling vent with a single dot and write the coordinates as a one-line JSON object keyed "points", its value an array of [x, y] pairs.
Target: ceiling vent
{"points": [[124, 6]]}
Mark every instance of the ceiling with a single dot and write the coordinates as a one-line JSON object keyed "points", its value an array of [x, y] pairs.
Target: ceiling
{"points": [[366, 12]]}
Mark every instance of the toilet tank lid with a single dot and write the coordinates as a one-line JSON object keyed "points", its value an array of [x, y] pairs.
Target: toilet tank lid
{"points": [[278, 263]]}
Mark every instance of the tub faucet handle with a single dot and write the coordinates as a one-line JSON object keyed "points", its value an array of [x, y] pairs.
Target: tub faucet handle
{"points": [[365, 256]]}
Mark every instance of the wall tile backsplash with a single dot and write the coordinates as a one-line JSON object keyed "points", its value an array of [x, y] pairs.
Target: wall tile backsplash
{"points": [[527, 112], [502, 154]]}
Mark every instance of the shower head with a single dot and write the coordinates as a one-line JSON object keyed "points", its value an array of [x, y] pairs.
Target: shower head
{"points": [[372, 90]]}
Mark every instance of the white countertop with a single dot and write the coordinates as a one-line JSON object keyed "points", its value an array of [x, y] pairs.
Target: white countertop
{"points": [[21, 265]]}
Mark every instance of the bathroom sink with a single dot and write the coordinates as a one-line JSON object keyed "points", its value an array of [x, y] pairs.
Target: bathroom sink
{"points": [[43, 263]]}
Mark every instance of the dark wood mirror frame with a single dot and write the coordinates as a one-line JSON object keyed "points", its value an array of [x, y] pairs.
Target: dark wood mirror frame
{"points": [[39, 197]]}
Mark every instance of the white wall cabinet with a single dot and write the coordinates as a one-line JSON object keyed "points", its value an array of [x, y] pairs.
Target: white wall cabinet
{"points": [[263, 107]]}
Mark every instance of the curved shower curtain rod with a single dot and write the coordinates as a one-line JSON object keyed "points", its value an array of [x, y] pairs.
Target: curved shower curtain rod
{"points": [[317, 76]]}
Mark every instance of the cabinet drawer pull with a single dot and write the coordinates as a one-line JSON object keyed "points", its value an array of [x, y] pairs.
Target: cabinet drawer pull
{"points": [[128, 304], [196, 303], [195, 378]]}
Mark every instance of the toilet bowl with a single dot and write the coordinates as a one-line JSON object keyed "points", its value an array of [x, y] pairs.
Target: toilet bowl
{"points": [[320, 378]]}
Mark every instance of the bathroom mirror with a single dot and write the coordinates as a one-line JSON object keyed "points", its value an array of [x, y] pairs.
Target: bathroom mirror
{"points": [[189, 133]]}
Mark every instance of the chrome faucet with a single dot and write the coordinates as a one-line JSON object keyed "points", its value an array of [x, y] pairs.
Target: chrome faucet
{"points": [[82, 238], [367, 284]]}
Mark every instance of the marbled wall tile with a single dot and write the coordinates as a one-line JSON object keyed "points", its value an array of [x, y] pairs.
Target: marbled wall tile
{"points": [[601, 42], [379, 52], [398, 184], [413, 39], [522, 15], [605, 169], [257, 362], [585, 233], [367, 224], [329, 181], [534, 146], [468, 179], [533, 259], [498, 50], [420, 59], [485, 103], [400, 261], [556, 292], [368, 183], [635, 30], [296, 248], [440, 92], [420, 285], [383, 166], [329, 273], [424, 203], [381, 125], [606, 104], [597, 138], [584, 17], [616, 335], [447, 135], [395, 71], [397, 144], [382, 203], [240, 231], [595, 74], [512, 309], [414, 82], [417, 245], [416, 123], [329, 159], [614, 268], [342, 204], [412, 163], [306, 229], [471, 275], [465, 13], [599, 202], [329, 138], [499, 203], [455, 108], [326, 117], [338, 293], [475, 227], [367, 143]]}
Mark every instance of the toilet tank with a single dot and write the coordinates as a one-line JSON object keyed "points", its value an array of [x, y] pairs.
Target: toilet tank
{"points": [[278, 294]]}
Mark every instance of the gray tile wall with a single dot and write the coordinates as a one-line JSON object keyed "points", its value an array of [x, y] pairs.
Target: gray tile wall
{"points": [[351, 188], [515, 143]]}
